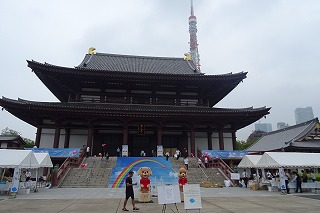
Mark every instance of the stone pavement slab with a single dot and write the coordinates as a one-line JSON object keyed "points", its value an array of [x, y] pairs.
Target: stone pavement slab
{"points": [[224, 200]]}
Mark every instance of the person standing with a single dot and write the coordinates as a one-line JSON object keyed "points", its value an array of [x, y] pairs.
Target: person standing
{"points": [[28, 174], [88, 151], [186, 162], [199, 163], [129, 192], [206, 162], [245, 177], [286, 179], [118, 152], [167, 156], [297, 179], [23, 177], [304, 176], [312, 176]]}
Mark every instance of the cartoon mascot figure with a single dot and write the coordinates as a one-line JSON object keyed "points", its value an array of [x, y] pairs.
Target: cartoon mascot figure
{"points": [[183, 180], [144, 173]]}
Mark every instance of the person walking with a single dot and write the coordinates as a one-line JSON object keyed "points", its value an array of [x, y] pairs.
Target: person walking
{"points": [[186, 163], [167, 156], [88, 151], [129, 192], [245, 177], [199, 163], [206, 162]]}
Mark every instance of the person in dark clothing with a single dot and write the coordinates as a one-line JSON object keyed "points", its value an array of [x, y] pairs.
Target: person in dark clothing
{"points": [[129, 192], [297, 178], [304, 176]]}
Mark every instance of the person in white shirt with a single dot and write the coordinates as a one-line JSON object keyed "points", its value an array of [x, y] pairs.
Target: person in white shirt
{"points": [[167, 155], [88, 151], [28, 174], [312, 176], [245, 177], [206, 162], [199, 163], [186, 163]]}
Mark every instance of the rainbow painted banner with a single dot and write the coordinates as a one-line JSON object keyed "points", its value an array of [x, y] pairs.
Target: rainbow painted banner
{"points": [[162, 171]]}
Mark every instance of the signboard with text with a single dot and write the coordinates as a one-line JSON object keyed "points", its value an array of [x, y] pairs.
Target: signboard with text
{"points": [[125, 150], [192, 197]]}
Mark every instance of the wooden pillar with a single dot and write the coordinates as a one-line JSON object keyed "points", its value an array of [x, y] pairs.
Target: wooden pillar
{"points": [[67, 138], [38, 137], [234, 140], [193, 141], [89, 139], [56, 137], [125, 134], [209, 133], [159, 135], [221, 141]]}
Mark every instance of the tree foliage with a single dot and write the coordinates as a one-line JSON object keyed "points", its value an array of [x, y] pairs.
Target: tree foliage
{"points": [[12, 132], [252, 139], [242, 145], [28, 142]]}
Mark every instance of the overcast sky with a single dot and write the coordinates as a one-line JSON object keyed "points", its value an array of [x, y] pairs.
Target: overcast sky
{"points": [[276, 41]]}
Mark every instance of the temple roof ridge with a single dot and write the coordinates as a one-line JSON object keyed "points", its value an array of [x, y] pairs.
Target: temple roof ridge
{"points": [[144, 106], [240, 73]]}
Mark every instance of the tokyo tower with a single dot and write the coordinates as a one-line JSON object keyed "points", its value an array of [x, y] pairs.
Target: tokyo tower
{"points": [[193, 39]]}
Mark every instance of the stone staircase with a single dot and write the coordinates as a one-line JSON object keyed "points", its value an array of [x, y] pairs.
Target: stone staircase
{"points": [[179, 163], [196, 175], [95, 175]]}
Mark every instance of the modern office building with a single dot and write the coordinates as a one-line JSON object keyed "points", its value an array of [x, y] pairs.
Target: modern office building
{"points": [[266, 127], [303, 114], [282, 125]]}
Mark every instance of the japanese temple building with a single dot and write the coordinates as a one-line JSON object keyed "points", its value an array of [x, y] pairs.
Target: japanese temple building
{"points": [[138, 101]]}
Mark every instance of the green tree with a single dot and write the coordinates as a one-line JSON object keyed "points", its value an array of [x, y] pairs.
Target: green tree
{"points": [[242, 145], [28, 142], [252, 139], [8, 131]]}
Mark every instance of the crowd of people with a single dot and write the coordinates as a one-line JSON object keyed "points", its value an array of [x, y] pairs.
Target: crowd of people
{"points": [[304, 176]]}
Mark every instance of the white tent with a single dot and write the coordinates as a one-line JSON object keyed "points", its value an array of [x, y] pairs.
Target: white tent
{"points": [[12, 158], [249, 161], [289, 159], [43, 159]]}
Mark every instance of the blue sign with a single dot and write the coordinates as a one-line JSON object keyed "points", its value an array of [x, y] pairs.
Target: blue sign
{"points": [[58, 152], [224, 153]]}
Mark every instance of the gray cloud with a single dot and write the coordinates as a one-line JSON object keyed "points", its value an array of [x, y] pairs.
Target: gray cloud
{"points": [[275, 41]]}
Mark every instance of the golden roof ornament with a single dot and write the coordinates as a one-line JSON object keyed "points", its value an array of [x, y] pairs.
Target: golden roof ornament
{"points": [[92, 50]]}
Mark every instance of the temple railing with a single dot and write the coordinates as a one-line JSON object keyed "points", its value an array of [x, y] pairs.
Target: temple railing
{"points": [[225, 168], [70, 162], [147, 101]]}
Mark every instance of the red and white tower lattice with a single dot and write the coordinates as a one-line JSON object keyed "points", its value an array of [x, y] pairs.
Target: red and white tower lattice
{"points": [[193, 39]]}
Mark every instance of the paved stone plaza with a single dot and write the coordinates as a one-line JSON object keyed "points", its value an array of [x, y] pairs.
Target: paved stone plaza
{"points": [[220, 200]]}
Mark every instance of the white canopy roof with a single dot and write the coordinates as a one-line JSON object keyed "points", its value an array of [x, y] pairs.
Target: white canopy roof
{"points": [[289, 159], [12, 158], [44, 159], [249, 161]]}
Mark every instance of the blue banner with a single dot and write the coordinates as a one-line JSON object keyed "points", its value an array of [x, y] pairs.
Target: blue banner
{"points": [[162, 171], [58, 152], [239, 154]]}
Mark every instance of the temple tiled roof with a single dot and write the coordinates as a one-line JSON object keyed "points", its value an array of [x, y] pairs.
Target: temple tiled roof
{"points": [[283, 138], [138, 64], [31, 111], [131, 107]]}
